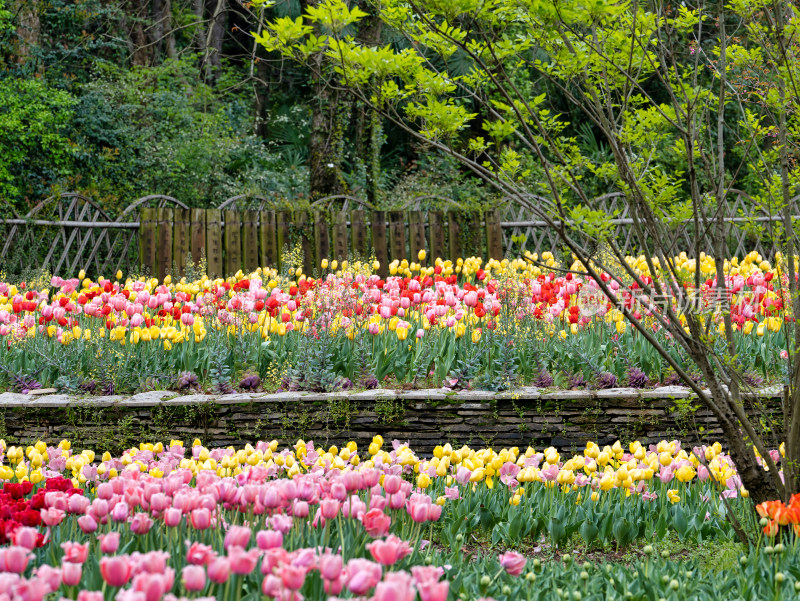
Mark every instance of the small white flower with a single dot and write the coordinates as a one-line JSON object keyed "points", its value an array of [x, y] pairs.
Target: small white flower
{"points": [[330, 165]]}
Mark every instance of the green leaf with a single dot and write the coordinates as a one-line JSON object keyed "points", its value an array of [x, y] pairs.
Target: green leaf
{"points": [[589, 532], [679, 521]]}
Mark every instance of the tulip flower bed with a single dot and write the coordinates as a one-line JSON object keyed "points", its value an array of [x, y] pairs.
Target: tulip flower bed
{"points": [[454, 324], [167, 522]]}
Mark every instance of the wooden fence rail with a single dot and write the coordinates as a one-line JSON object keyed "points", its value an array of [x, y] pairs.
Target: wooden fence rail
{"points": [[233, 240]]}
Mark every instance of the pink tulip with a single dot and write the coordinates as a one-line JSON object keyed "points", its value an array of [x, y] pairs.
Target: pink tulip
{"points": [[200, 554], [105, 491], [25, 536], [330, 566], [338, 491], [71, 573], [376, 523], [391, 484], [49, 575], [201, 519], [90, 595], [418, 511], [219, 569], [371, 477], [29, 590], [377, 502], [52, 516], [238, 536], [87, 524], [362, 575], [116, 571], [109, 543], [99, 509], [354, 507], [153, 585], [390, 551], [269, 539], [333, 587], [74, 552], [141, 523], [513, 562], [120, 511], [77, 504], [353, 481], [194, 578], [329, 508], [300, 509], [172, 517], [397, 500], [434, 512], [241, 561], [426, 574], [15, 559], [281, 523], [159, 502], [273, 558], [293, 577], [272, 586], [396, 586], [463, 475]]}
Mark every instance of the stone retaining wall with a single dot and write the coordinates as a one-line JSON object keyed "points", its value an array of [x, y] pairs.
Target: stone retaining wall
{"points": [[565, 419]]}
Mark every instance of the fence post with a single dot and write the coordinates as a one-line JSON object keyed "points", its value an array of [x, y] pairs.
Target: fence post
{"points": [[397, 235], [147, 238], [214, 242], [180, 242], [233, 242], [359, 228], [322, 238], [454, 235], [165, 217], [283, 218], [250, 229], [416, 235], [269, 252], [379, 241], [303, 224], [436, 231], [494, 236], [340, 235], [198, 236]]}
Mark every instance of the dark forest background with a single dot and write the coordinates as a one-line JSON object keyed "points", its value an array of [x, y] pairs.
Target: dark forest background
{"points": [[121, 98]]}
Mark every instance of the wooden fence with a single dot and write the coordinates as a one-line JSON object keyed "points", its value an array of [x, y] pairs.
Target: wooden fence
{"points": [[69, 232], [230, 240]]}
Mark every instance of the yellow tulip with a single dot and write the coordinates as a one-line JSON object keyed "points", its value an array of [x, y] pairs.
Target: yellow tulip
{"points": [[685, 473]]}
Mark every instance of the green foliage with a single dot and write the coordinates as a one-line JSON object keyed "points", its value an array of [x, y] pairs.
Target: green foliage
{"points": [[35, 149]]}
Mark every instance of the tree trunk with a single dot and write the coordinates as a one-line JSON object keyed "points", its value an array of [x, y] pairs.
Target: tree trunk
{"points": [[155, 32], [28, 28], [142, 53], [200, 31], [262, 98], [327, 134], [324, 145], [369, 34], [167, 30], [216, 35]]}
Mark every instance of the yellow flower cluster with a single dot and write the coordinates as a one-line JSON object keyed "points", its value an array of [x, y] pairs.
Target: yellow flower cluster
{"points": [[602, 469]]}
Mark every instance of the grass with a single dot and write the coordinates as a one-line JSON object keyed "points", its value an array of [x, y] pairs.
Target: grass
{"points": [[707, 555]]}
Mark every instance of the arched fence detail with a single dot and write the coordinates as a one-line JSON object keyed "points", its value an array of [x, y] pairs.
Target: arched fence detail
{"points": [[156, 234]]}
